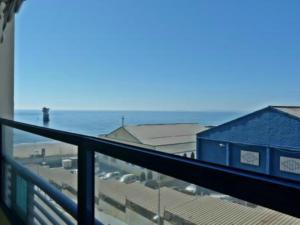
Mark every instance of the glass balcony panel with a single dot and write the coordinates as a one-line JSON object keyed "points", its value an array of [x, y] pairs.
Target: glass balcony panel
{"points": [[54, 161], [129, 194]]}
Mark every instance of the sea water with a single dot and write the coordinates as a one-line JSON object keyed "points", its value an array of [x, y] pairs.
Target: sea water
{"points": [[96, 123]]}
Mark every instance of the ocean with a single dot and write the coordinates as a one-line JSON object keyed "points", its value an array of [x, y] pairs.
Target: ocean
{"points": [[102, 122]]}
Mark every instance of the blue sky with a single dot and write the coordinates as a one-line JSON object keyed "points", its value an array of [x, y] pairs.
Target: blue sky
{"points": [[157, 55]]}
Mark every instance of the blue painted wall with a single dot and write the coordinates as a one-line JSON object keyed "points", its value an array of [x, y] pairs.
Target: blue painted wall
{"points": [[215, 154], [275, 163], [235, 157], [266, 131]]}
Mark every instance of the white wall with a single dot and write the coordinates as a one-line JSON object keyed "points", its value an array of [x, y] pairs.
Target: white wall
{"points": [[7, 78], [7, 71]]}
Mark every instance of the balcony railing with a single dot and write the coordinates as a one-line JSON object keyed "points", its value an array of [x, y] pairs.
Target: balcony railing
{"points": [[271, 192]]}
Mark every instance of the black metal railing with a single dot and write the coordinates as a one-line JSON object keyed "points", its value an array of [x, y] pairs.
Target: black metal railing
{"points": [[40, 188], [271, 192]]}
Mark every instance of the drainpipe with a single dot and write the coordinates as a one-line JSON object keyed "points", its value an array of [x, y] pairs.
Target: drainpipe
{"points": [[268, 160], [227, 154]]}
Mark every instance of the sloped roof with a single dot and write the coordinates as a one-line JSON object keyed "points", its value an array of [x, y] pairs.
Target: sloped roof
{"points": [[165, 134], [207, 210], [168, 198], [171, 138], [193, 209], [292, 110]]}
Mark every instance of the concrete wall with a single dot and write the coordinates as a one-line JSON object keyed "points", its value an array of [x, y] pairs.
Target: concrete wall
{"points": [[7, 71], [129, 216], [111, 210], [134, 218]]}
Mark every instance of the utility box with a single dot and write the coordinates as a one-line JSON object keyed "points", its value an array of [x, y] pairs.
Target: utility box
{"points": [[67, 163], [74, 161]]}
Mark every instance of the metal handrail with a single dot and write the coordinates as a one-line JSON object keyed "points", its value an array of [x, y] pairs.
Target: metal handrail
{"points": [[45, 213], [61, 215], [63, 201], [66, 203], [272, 192]]}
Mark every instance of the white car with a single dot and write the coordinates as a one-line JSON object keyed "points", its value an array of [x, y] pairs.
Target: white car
{"points": [[111, 175], [192, 189], [128, 178]]}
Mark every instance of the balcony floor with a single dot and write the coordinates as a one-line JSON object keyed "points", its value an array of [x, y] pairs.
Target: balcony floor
{"points": [[3, 218]]}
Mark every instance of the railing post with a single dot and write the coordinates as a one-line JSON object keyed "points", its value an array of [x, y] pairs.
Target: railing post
{"points": [[1, 165], [30, 200], [13, 188], [86, 187]]}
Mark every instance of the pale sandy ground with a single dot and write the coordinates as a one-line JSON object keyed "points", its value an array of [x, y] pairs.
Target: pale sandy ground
{"points": [[52, 148]]}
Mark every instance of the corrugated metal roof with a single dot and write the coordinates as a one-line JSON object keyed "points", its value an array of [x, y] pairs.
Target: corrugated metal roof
{"points": [[177, 148], [120, 192], [194, 209], [207, 210], [164, 134], [168, 198], [292, 110], [60, 176], [164, 137]]}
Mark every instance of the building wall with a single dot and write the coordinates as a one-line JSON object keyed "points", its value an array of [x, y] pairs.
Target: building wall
{"points": [[285, 164], [7, 70], [111, 210], [179, 148], [7, 79], [265, 142], [134, 218], [237, 161], [211, 151]]}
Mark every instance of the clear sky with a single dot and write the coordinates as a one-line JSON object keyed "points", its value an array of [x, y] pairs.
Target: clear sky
{"points": [[157, 54]]}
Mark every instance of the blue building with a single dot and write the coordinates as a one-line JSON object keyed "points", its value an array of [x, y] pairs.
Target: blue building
{"points": [[266, 141]]}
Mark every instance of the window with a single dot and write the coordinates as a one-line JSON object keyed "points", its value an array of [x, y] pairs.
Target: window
{"points": [[250, 157], [291, 165]]}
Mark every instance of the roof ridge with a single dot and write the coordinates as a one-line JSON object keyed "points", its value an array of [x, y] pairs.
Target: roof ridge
{"points": [[156, 124], [284, 106], [186, 135], [134, 136]]}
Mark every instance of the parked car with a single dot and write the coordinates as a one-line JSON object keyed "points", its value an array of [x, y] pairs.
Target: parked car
{"points": [[151, 184], [111, 175], [128, 178], [101, 174], [191, 189]]}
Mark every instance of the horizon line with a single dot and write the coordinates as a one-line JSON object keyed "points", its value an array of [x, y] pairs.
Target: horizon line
{"points": [[138, 110]]}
